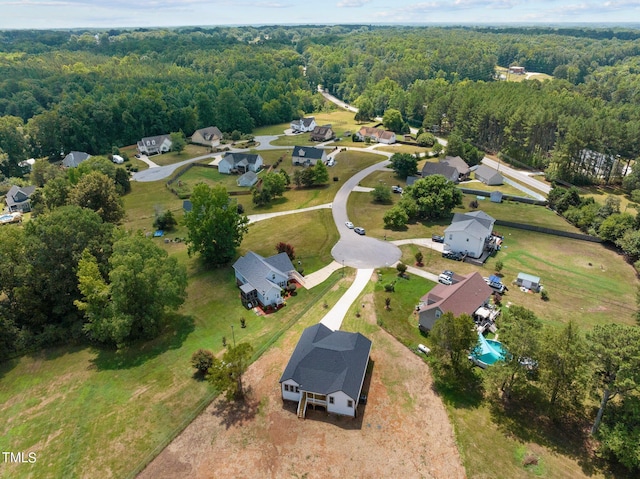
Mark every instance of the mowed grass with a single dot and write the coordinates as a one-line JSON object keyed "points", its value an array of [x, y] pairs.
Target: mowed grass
{"points": [[504, 188], [341, 121], [312, 234], [347, 164], [211, 177], [90, 412]]}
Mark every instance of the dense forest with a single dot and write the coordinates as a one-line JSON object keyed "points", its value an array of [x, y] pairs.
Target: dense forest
{"points": [[91, 91]]}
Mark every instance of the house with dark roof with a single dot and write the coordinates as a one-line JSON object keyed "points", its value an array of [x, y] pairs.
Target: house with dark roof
{"points": [[464, 297], [322, 133], [74, 158], [308, 155], [459, 164], [303, 125], [19, 198], [327, 369], [376, 135], [469, 233], [488, 175], [262, 280], [239, 163], [153, 145], [449, 172], [209, 136]]}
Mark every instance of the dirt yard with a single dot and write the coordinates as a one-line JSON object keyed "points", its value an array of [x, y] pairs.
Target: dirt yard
{"points": [[403, 431]]}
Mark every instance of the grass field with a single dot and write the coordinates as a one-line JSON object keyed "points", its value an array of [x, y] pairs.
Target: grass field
{"points": [[505, 189], [90, 412]]}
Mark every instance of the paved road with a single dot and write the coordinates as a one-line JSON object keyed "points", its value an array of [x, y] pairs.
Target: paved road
{"points": [[521, 176], [352, 249]]}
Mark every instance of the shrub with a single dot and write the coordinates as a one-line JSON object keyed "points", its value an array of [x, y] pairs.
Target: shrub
{"points": [[243, 323], [202, 360], [419, 257], [499, 266], [390, 287], [402, 268], [544, 296]]}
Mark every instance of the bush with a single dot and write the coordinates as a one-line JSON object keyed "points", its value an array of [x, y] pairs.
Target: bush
{"points": [[389, 287], [544, 296], [202, 360], [402, 268], [499, 266], [165, 221], [419, 257]]}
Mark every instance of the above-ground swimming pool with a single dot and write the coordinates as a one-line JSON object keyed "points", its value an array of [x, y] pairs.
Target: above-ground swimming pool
{"points": [[487, 352], [9, 217]]}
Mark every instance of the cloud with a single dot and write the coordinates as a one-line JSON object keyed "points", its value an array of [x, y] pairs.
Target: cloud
{"points": [[352, 3]]}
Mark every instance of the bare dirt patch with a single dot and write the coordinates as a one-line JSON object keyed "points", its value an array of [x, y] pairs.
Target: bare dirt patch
{"points": [[403, 431]]}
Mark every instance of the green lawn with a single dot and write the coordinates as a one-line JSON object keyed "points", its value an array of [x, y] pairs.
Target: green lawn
{"points": [[210, 176], [71, 405], [347, 164], [312, 235], [505, 189]]}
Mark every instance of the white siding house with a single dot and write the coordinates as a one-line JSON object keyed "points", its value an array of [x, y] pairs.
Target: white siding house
{"points": [[153, 145], [239, 163], [469, 233], [326, 369]]}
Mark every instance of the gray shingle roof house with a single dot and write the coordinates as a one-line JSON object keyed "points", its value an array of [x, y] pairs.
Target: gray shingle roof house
{"points": [[209, 136], [469, 233], [18, 198], [449, 172], [465, 296], [152, 145], [239, 163], [261, 280], [322, 133], [248, 179], [327, 368], [307, 155], [73, 159], [488, 175], [303, 124], [459, 164]]}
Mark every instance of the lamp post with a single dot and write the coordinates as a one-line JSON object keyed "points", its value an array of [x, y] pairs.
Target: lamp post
{"points": [[233, 335]]}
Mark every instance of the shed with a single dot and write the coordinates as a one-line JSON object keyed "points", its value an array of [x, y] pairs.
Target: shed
{"points": [[528, 281], [496, 196], [248, 179]]}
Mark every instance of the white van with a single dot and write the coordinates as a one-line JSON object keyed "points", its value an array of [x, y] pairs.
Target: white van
{"points": [[423, 349], [445, 279]]}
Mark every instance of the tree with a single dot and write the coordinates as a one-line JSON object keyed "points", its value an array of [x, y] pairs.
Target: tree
{"points": [[437, 149], [619, 434], [123, 185], [453, 338], [286, 248], [178, 141], [215, 227], [404, 165], [395, 218], [435, 196], [419, 257], [615, 226], [226, 374], [498, 266], [143, 283], [381, 194], [520, 333], [320, 174], [304, 177], [402, 268], [165, 221], [426, 140], [202, 360], [455, 145], [55, 192], [563, 365], [273, 185], [97, 192], [615, 352], [54, 244], [630, 244], [392, 120]]}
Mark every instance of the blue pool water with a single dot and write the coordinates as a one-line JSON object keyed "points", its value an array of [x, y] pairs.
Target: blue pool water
{"points": [[489, 351]]}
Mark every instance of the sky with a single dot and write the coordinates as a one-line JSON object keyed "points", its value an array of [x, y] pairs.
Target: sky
{"points": [[44, 14]]}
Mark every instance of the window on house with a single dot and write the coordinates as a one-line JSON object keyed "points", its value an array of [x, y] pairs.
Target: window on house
{"points": [[297, 389], [349, 403], [286, 387], [450, 237], [438, 313], [331, 401], [467, 240]]}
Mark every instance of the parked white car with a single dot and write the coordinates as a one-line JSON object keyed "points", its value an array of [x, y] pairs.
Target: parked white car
{"points": [[423, 349], [349, 224]]}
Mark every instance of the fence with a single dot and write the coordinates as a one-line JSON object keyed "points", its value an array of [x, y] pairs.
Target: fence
{"points": [[549, 231], [519, 199]]}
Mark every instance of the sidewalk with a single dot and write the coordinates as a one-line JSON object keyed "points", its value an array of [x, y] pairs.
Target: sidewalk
{"points": [[317, 277], [333, 319], [266, 216]]}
